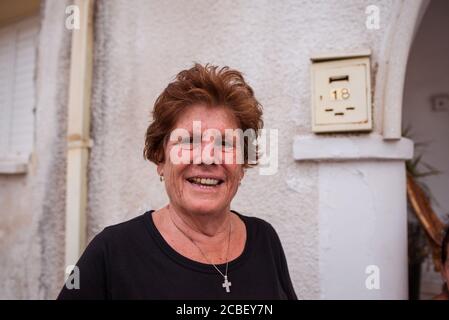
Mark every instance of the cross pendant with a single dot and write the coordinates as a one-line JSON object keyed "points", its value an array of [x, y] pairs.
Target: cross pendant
{"points": [[226, 284]]}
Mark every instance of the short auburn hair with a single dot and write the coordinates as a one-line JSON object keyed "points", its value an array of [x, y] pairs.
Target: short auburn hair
{"points": [[208, 85]]}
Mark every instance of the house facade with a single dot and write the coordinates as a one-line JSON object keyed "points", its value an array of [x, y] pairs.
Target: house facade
{"points": [[71, 158]]}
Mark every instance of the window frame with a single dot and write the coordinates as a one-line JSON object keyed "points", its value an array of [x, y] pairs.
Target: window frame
{"points": [[15, 161]]}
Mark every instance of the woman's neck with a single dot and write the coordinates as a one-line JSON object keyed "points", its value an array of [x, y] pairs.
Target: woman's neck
{"points": [[200, 227]]}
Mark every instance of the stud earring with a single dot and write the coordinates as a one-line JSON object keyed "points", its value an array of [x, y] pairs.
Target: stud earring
{"points": [[161, 177]]}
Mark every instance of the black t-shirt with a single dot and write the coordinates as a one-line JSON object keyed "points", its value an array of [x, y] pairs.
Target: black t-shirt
{"points": [[131, 260]]}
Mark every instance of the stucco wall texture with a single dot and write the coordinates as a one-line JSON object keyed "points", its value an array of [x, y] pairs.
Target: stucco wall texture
{"points": [[139, 48], [32, 205]]}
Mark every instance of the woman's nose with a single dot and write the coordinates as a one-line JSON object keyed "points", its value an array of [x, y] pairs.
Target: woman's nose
{"points": [[206, 154]]}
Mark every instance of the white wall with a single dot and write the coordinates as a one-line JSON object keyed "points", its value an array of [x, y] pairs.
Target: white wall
{"points": [[363, 228]]}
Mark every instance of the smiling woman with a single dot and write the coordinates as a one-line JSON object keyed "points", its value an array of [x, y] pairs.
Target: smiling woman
{"points": [[195, 247]]}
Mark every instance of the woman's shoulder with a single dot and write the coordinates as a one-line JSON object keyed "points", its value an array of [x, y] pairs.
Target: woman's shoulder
{"points": [[118, 231], [441, 296], [258, 225]]}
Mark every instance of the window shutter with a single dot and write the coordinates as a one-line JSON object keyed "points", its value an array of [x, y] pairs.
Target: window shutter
{"points": [[7, 57], [17, 88]]}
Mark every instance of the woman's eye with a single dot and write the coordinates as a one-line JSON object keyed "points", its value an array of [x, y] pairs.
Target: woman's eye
{"points": [[188, 143], [185, 142]]}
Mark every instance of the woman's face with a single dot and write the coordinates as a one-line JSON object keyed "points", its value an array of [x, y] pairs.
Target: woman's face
{"points": [[198, 185]]}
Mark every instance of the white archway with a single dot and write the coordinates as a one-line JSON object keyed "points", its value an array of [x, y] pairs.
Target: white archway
{"points": [[393, 65]]}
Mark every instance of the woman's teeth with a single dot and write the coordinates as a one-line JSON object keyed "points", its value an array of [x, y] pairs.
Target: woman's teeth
{"points": [[205, 181]]}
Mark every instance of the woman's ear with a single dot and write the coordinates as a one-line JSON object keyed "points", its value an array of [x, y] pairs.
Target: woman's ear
{"points": [[160, 169]]}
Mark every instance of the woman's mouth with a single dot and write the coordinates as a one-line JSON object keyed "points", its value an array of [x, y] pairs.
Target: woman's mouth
{"points": [[205, 182]]}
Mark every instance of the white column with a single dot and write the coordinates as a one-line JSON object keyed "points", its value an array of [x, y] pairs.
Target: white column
{"points": [[362, 214]]}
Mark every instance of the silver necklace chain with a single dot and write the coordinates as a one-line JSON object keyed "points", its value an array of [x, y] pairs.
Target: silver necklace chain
{"points": [[225, 275]]}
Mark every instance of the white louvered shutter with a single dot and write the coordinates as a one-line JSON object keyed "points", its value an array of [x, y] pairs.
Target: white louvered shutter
{"points": [[17, 88]]}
